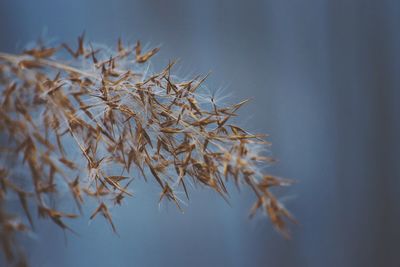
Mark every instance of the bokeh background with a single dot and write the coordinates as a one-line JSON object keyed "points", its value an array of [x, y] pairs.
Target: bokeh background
{"points": [[324, 78]]}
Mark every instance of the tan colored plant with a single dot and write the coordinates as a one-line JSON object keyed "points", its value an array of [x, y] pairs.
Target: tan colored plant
{"points": [[123, 122]]}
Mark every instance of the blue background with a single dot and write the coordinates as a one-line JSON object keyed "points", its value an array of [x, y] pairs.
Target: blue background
{"points": [[324, 77]]}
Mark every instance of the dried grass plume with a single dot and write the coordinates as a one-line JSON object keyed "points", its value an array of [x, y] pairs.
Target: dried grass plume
{"points": [[90, 120]]}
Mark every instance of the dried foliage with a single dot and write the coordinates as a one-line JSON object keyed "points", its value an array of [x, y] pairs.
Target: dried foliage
{"points": [[90, 120]]}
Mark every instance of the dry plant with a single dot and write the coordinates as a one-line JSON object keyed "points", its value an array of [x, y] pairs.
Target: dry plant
{"points": [[91, 119]]}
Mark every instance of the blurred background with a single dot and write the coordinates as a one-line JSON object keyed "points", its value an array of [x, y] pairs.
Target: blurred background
{"points": [[324, 78]]}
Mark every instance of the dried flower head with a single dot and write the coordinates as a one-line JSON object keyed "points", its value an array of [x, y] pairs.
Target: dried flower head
{"points": [[90, 119]]}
